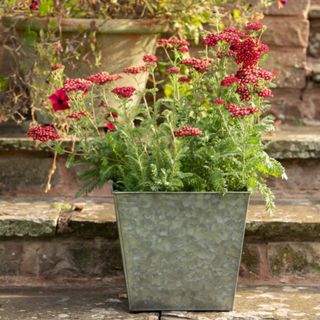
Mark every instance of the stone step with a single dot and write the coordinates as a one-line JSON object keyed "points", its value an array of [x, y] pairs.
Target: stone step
{"points": [[52, 238], [110, 303], [24, 168]]}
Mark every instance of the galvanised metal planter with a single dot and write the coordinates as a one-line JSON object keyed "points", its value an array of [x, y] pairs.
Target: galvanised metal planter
{"points": [[181, 250]]}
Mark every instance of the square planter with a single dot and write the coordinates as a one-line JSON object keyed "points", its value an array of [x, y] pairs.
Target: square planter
{"points": [[181, 250]]}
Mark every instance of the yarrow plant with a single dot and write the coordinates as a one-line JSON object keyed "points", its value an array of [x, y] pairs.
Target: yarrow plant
{"points": [[205, 134]]}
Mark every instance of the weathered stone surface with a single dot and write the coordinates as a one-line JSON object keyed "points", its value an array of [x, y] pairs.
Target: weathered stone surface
{"points": [[311, 104], [303, 180], [251, 259], [98, 257], [297, 220], [294, 143], [25, 172], [17, 173], [10, 257], [81, 304], [288, 32], [292, 221], [287, 105], [260, 303], [314, 38], [292, 8], [290, 65], [22, 219], [314, 11], [294, 258]]}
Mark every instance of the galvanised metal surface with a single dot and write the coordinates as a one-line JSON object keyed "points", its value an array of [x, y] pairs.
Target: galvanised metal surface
{"points": [[181, 250]]}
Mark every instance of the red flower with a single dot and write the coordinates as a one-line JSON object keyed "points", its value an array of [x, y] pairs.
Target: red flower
{"points": [[103, 77], [111, 127], [200, 65], [254, 26], [218, 101], [57, 66], [34, 5], [77, 116], [135, 70], [184, 79], [173, 70], [188, 131], [265, 93], [124, 92], [227, 36], [150, 58], [43, 133], [240, 112], [72, 85], [183, 49], [228, 81], [173, 42], [244, 92], [59, 100]]}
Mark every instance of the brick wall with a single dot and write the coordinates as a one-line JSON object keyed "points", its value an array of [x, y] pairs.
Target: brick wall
{"points": [[288, 38]]}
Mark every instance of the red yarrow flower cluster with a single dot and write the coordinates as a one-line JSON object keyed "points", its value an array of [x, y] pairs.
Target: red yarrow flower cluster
{"points": [[150, 58], [188, 131], [219, 101], [34, 5], [265, 93], [43, 133], [59, 100], [253, 75], [231, 35], [228, 81], [184, 79], [183, 49], [248, 52], [244, 92], [72, 85], [201, 65], [240, 112], [173, 42], [57, 66], [124, 92], [135, 70], [103, 77], [77, 115], [173, 70], [254, 26]]}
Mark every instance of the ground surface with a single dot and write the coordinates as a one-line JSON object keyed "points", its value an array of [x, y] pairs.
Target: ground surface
{"points": [[110, 303]]}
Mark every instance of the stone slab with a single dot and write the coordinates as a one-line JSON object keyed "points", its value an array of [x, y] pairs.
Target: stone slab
{"points": [[69, 304], [260, 303], [297, 142], [19, 218], [89, 219], [110, 303]]}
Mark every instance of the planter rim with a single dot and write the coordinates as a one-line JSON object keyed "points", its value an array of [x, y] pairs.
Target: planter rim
{"points": [[110, 26], [179, 192]]}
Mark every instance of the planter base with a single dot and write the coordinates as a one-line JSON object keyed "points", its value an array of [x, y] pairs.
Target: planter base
{"points": [[181, 251]]}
